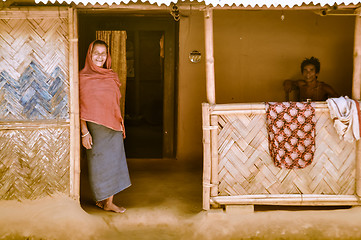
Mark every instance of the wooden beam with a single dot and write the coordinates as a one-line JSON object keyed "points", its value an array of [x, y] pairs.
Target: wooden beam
{"points": [[214, 155], [206, 156], [252, 108], [288, 199], [210, 78], [356, 82], [34, 12], [183, 6], [356, 92], [74, 106]]}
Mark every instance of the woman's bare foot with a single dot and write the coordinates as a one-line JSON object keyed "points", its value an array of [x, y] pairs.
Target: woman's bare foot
{"points": [[112, 207], [99, 204], [108, 205]]}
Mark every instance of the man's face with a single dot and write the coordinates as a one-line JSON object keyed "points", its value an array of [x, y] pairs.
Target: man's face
{"points": [[309, 73]]}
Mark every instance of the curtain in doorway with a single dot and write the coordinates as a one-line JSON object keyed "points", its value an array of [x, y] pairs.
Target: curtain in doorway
{"points": [[116, 41]]}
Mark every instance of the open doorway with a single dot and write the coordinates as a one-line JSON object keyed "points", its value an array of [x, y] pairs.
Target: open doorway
{"points": [[150, 84], [144, 94], [151, 52]]}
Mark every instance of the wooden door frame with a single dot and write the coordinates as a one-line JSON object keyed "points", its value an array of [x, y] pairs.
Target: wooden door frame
{"points": [[153, 23], [74, 105]]}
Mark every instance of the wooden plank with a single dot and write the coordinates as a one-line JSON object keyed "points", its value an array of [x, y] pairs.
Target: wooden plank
{"points": [[288, 199], [36, 124], [74, 106], [356, 91], [356, 80], [206, 156], [33, 12], [214, 155], [123, 69], [358, 169], [253, 108]]}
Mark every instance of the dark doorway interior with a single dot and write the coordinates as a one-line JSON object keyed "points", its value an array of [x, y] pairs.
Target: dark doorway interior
{"points": [[144, 96]]}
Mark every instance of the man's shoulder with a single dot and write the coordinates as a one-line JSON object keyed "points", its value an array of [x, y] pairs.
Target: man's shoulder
{"points": [[300, 82]]}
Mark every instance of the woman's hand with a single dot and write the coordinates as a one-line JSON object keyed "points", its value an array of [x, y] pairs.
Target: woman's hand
{"points": [[87, 141]]}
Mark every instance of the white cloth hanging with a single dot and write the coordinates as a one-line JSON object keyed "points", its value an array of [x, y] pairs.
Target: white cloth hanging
{"points": [[344, 113]]}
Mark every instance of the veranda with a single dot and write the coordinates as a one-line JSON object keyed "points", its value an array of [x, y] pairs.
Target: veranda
{"points": [[238, 169]]}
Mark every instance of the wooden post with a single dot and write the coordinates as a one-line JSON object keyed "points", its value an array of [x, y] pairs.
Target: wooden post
{"points": [[356, 92], [74, 106], [123, 69], [206, 156], [208, 35], [356, 82], [214, 151]]}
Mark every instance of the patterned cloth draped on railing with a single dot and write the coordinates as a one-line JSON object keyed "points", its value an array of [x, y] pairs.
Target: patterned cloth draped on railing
{"points": [[291, 133]]}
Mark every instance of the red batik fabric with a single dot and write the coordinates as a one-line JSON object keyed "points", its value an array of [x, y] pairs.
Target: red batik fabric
{"points": [[291, 133]]}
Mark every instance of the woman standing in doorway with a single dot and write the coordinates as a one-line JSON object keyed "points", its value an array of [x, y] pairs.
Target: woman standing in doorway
{"points": [[102, 127]]}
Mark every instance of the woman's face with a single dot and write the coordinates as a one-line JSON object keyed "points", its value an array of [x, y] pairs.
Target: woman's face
{"points": [[99, 55]]}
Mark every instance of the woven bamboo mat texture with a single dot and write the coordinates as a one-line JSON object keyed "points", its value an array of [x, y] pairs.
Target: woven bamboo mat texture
{"points": [[34, 85], [245, 166], [34, 163], [34, 82]]}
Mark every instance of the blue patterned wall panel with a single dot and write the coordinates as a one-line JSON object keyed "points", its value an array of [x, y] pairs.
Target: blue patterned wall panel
{"points": [[35, 96], [34, 81]]}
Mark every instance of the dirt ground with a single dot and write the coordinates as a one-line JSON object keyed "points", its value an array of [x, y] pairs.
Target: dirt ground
{"points": [[164, 202]]}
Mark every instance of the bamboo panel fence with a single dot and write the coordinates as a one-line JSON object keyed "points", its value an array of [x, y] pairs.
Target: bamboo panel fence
{"points": [[34, 161], [34, 103], [239, 170]]}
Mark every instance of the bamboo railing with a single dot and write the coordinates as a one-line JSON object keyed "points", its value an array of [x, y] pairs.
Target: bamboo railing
{"points": [[239, 170]]}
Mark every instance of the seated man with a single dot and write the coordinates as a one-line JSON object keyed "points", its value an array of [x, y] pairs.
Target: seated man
{"points": [[309, 88]]}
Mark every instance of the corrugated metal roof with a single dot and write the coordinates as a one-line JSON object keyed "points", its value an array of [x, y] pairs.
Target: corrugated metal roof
{"points": [[245, 3], [109, 2], [275, 3]]}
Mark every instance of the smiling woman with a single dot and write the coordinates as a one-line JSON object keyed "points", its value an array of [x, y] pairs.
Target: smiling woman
{"points": [[99, 53], [102, 127]]}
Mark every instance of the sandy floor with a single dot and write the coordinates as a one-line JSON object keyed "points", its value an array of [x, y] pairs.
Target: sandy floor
{"points": [[164, 202]]}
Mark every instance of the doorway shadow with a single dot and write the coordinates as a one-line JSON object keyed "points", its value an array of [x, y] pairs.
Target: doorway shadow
{"points": [[156, 184]]}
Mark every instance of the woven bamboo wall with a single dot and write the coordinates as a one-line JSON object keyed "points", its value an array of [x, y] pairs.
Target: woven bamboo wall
{"points": [[245, 166], [34, 103]]}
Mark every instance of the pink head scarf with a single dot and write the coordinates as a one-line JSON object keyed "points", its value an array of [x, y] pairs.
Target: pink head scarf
{"points": [[99, 94]]}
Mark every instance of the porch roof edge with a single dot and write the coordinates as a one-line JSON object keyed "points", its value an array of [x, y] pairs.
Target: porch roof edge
{"points": [[218, 4]]}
